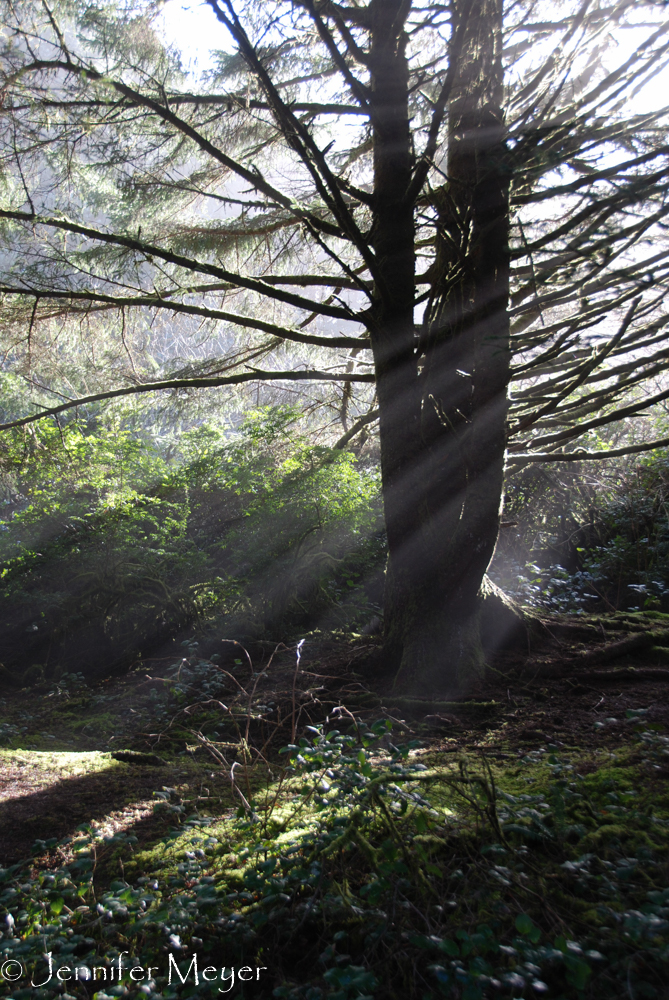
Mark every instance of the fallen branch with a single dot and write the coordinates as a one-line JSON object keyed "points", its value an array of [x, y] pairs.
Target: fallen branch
{"points": [[425, 704]]}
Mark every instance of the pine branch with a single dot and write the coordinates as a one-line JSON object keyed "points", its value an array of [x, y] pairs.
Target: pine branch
{"points": [[297, 135], [229, 101], [359, 91], [149, 250], [252, 177], [155, 302], [191, 383]]}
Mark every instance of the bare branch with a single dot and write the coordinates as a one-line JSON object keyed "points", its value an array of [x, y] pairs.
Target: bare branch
{"points": [[368, 418], [581, 375], [517, 462], [580, 429]]}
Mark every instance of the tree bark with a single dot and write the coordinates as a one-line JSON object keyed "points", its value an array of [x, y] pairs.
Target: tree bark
{"points": [[392, 316], [443, 400]]}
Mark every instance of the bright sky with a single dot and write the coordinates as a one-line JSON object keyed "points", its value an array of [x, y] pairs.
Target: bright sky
{"points": [[192, 27]]}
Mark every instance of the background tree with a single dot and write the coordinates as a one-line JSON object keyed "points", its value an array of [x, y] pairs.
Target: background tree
{"points": [[453, 198]]}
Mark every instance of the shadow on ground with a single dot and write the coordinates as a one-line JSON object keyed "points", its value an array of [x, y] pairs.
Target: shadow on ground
{"points": [[118, 797]]}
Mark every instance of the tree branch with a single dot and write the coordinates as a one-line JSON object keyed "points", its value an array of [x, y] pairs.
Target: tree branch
{"points": [[360, 92], [425, 162], [253, 177], [296, 135], [581, 375], [580, 429], [597, 175], [368, 418], [155, 302], [149, 250], [517, 462], [238, 101], [192, 383]]}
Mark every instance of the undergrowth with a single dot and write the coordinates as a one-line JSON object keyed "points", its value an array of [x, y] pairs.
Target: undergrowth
{"points": [[110, 546], [362, 868], [588, 542]]}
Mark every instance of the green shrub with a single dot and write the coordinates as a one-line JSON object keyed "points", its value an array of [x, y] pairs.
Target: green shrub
{"points": [[110, 548]]}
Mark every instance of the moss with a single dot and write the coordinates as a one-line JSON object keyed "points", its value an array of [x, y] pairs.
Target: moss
{"points": [[608, 833], [57, 763], [659, 654], [477, 877]]}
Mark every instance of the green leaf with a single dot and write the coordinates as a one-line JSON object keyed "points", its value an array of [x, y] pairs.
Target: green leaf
{"points": [[450, 947], [524, 924], [578, 972]]}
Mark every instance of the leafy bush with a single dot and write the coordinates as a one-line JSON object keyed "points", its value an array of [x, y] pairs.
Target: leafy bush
{"points": [[109, 548]]}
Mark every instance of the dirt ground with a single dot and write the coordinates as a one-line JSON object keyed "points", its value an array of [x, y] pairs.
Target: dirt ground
{"points": [[57, 770]]}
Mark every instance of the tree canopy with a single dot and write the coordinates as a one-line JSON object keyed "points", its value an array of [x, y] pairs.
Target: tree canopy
{"points": [[453, 212]]}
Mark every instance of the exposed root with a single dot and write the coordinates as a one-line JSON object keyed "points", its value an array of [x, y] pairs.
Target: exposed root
{"points": [[625, 675]]}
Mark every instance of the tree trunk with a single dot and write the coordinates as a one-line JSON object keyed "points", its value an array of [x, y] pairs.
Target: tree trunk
{"points": [[443, 402]]}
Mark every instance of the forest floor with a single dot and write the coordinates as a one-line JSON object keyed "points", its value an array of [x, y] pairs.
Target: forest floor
{"points": [[59, 765], [103, 788]]}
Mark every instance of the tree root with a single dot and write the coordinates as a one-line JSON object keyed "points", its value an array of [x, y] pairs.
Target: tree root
{"points": [[613, 650], [623, 675], [569, 666], [418, 705]]}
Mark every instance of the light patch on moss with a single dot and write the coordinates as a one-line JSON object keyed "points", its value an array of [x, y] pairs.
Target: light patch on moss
{"points": [[57, 763]]}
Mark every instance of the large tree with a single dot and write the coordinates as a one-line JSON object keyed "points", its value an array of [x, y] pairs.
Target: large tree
{"points": [[442, 199]]}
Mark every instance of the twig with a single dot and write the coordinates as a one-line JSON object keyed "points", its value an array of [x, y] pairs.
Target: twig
{"points": [[298, 651], [260, 674]]}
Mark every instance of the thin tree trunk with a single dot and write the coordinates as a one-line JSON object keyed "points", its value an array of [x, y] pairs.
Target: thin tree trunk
{"points": [[443, 468]]}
